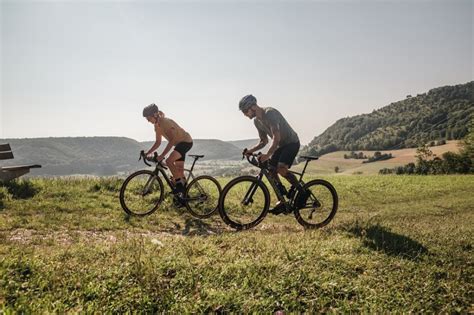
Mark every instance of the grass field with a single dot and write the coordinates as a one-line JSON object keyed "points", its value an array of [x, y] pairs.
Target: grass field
{"points": [[398, 243]]}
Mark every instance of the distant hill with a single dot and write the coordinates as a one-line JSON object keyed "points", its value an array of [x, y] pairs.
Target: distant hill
{"points": [[248, 143], [98, 155], [75, 155], [242, 144], [442, 113], [213, 149]]}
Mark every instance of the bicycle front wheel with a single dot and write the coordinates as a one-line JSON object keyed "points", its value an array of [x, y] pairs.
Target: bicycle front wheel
{"points": [[316, 204], [141, 193], [202, 196], [244, 202]]}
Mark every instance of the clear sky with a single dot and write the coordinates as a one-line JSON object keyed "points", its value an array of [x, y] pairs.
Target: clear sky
{"points": [[87, 68]]}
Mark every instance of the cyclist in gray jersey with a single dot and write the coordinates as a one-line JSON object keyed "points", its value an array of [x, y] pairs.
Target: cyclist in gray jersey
{"points": [[285, 146]]}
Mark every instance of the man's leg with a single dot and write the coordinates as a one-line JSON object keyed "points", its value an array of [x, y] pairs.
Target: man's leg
{"points": [[273, 166], [273, 172], [287, 158], [290, 177]]}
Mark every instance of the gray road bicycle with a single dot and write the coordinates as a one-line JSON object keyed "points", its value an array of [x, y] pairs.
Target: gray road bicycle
{"points": [[143, 192], [245, 200]]}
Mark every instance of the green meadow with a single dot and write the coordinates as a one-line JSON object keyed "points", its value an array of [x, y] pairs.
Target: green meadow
{"points": [[397, 244]]}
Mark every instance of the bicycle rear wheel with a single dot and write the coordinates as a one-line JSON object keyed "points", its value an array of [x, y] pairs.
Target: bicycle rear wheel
{"points": [[202, 196], [244, 202], [141, 193], [316, 205]]}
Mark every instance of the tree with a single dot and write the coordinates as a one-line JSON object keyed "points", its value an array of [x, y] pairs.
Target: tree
{"points": [[423, 156], [468, 143], [423, 153]]}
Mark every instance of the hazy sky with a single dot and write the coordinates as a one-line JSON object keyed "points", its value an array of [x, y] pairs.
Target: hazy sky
{"points": [[87, 68]]}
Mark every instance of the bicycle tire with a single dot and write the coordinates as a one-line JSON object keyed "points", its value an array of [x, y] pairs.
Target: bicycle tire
{"points": [[333, 207], [123, 202], [223, 207], [192, 207]]}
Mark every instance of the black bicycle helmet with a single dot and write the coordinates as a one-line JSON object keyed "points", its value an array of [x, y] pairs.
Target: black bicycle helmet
{"points": [[150, 110], [246, 102]]}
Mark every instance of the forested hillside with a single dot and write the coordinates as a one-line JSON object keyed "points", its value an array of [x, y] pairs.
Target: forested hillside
{"points": [[441, 114]]}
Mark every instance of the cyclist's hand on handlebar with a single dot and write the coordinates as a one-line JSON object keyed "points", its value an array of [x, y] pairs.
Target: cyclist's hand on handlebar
{"points": [[160, 158], [153, 157], [144, 157], [263, 157]]}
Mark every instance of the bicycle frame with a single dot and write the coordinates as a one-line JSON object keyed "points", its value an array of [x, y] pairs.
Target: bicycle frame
{"points": [[161, 169], [265, 172]]}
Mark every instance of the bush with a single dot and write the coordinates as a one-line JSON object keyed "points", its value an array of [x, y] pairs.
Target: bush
{"points": [[450, 163], [355, 155], [379, 157], [385, 171], [20, 188]]}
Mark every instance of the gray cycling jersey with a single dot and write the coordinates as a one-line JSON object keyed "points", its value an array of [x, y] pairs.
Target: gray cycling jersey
{"points": [[273, 117]]}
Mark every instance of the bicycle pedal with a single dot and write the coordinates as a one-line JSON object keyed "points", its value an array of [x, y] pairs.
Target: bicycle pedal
{"points": [[279, 209]]}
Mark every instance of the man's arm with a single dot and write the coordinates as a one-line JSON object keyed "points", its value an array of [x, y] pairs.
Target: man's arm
{"points": [[263, 142], [274, 123], [276, 141]]}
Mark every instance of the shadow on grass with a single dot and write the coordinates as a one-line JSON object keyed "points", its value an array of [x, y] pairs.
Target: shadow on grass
{"points": [[20, 189], [198, 227], [379, 238]]}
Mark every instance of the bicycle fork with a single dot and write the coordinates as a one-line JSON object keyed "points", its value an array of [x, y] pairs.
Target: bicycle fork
{"points": [[249, 195], [248, 199], [146, 189]]}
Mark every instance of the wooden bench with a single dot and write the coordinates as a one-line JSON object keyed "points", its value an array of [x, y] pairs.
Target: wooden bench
{"points": [[11, 172]]}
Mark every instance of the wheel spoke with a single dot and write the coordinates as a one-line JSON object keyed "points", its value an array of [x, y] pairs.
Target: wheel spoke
{"points": [[141, 194], [202, 196], [320, 206], [244, 203]]}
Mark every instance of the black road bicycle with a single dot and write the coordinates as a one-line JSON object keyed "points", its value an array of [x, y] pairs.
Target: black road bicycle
{"points": [[245, 200], [143, 191]]}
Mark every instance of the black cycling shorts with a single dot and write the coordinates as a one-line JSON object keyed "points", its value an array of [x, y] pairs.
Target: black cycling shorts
{"points": [[182, 148], [285, 154]]}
